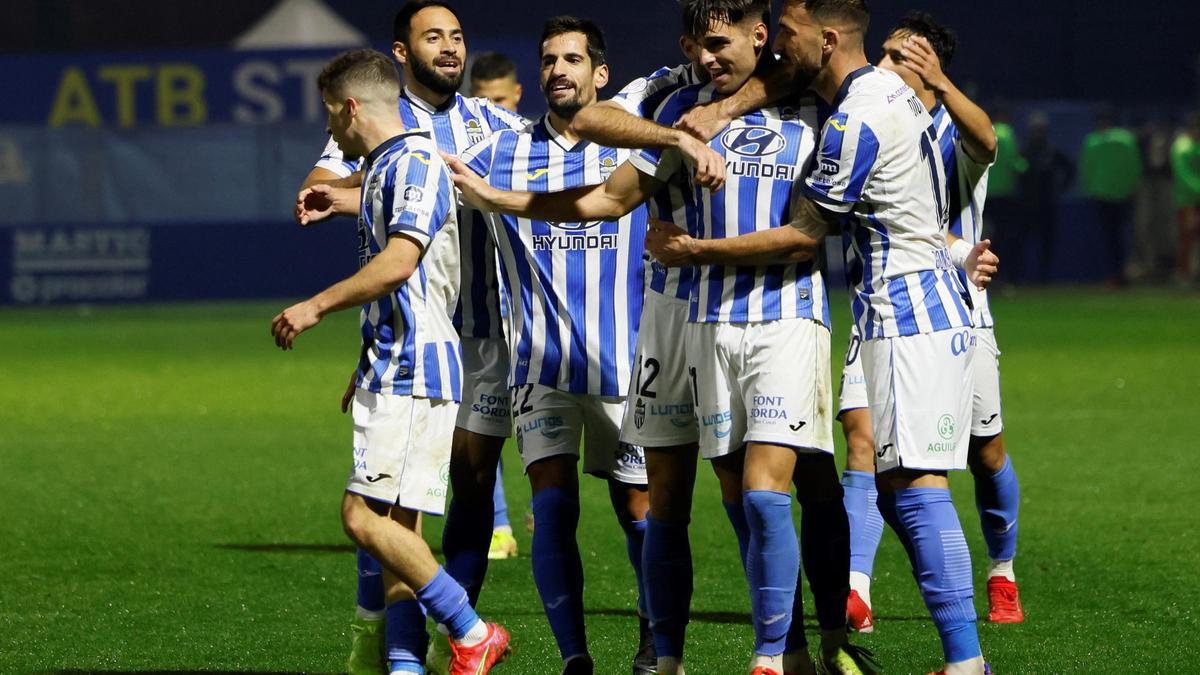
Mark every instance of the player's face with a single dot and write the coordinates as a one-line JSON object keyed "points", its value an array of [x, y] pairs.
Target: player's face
{"points": [[503, 91], [568, 79], [799, 44], [892, 58], [728, 53], [691, 51], [436, 50], [337, 122]]}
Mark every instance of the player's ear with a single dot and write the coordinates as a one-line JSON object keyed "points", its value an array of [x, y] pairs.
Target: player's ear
{"points": [[517, 94], [350, 109], [761, 32], [400, 52], [830, 38], [600, 76]]}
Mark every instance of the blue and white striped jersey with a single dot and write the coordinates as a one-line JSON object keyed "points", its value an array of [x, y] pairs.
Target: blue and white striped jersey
{"points": [[573, 290], [456, 126], [880, 165], [642, 97], [410, 346], [966, 192], [767, 153]]}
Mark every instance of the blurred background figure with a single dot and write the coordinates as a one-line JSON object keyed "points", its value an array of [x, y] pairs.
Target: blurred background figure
{"points": [[1154, 216], [1004, 214], [1110, 170], [494, 77], [1048, 176], [1185, 164]]}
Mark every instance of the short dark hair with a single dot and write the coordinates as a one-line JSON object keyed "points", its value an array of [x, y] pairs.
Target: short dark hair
{"points": [[700, 15], [348, 71], [853, 13], [940, 37], [572, 24], [492, 66], [402, 24]]}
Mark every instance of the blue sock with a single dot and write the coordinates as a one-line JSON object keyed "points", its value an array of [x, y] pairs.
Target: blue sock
{"points": [[741, 529], [825, 548], [466, 538], [406, 636], [772, 566], [887, 509], [997, 497], [796, 639], [635, 539], [370, 583], [499, 505], [866, 523], [667, 565], [447, 604], [557, 569], [943, 567]]}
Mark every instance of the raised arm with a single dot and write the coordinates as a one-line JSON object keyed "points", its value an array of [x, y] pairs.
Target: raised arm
{"points": [[624, 190], [768, 84], [796, 242], [974, 125]]}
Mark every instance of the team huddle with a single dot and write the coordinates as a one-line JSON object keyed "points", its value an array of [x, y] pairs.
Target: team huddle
{"points": [[640, 282]]}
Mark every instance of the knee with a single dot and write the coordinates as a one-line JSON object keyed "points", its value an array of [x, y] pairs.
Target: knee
{"points": [[986, 456], [860, 445], [356, 519]]}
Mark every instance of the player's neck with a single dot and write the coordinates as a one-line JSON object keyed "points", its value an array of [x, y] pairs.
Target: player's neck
{"points": [[375, 132], [563, 126], [841, 64], [928, 98], [426, 94]]}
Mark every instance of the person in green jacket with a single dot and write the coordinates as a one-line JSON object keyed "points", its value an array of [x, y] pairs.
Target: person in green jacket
{"points": [[1110, 169], [1005, 214], [1185, 164]]}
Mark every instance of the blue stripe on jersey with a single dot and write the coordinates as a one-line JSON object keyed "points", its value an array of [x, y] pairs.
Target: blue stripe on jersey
{"points": [[906, 317], [958, 292], [454, 357], [933, 302], [864, 160], [430, 366]]}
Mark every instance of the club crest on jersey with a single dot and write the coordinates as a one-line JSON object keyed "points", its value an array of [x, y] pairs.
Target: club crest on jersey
{"points": [[607, 166], [753, 141], [474, 131], [639, 413]]}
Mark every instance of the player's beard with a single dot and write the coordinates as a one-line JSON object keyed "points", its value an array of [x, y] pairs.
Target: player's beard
{"points": [[565, 108], [803, 74], [436, 82]]}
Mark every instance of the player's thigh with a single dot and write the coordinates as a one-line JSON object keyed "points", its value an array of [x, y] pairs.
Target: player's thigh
{"points": [[485, 392], [660, 412], [712, 350], [548, 422], [852, 390], [402, 450], [986, 415], [920, 389], [786, 385], [604, 454]]}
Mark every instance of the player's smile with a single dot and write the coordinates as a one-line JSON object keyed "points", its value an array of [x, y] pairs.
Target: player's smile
{"points": [[560, 88], [449, 64]]}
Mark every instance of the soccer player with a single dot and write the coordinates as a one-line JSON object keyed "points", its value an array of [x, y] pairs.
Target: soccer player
{"points": [[573, 291], [407, 384], [879, 171], [918, 50], [494, 77], [430, 47]]}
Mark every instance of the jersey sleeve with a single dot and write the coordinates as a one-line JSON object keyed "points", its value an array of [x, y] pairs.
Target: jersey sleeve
{"points": [[333, 160], [662, 163], [500, 118], [643, 96], [478, 157], [844, 162], [419, 190]]}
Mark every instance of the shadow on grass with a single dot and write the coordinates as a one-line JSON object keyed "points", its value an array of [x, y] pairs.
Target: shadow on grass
{"points": [[737, 617], [296, 548], [83, 671]]}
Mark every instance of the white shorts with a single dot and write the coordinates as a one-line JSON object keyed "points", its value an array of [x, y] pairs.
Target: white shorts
{"points": [[485, 402], [920, 390], [551, 422], [765, 382], [852, 392], [660, 411], [402, 449], [986, 416]]}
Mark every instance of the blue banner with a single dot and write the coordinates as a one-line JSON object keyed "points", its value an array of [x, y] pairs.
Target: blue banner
{"points": [[165, 88]]}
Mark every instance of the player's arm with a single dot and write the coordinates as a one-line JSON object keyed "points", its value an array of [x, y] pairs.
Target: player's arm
{"points": [[382, 275], [769, 83], [974, 125], [624, 190], [610, 125], [978, 261], [330, 188], [795, 242]]}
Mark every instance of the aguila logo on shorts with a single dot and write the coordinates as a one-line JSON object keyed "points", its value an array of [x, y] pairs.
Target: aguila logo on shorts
{"points": [[945, 427], [960, 342], [639, 413], [444, 474], [753, 141]]}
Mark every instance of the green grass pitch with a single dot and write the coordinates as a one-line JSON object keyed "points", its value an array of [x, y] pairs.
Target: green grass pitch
{"points": [[169, 485]]}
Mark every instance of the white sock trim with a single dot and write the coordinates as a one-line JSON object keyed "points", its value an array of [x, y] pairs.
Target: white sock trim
{"points": [[1001, 568], [862, 584]]}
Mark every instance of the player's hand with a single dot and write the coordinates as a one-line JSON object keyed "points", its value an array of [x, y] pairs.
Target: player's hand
{"points": [[473, 188], [293, 321], [709, 164], [704, 121], [920, 58], [982, 264], [669, 244], [349, 395], [316, 203]]}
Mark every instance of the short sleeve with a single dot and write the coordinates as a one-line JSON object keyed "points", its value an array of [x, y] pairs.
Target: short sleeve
{"points": [[847, 156], [419, 192], [478, 157], [500, 118], [642, 96], [333, 160]]}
